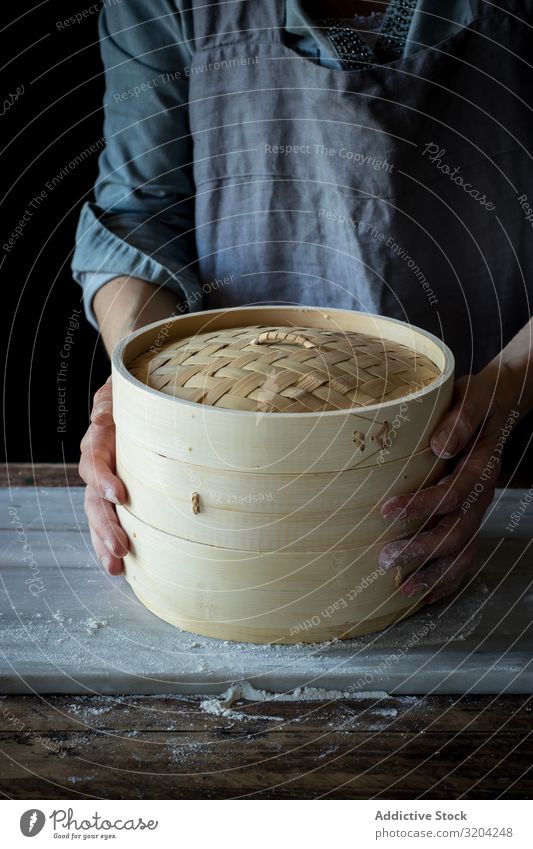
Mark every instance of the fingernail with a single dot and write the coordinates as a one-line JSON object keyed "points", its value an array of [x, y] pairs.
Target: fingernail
{"points": [[110, 545], [110, 495], [106, 562], [99, 411], [445, 445], [394, 513], [387, 561]]}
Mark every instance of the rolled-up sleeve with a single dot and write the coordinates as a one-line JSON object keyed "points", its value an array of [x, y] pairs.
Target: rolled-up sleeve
{"points": [[141, 223]]}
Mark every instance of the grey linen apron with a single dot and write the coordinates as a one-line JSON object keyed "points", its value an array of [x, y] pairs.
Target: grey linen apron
{"points": [[402, 189]]}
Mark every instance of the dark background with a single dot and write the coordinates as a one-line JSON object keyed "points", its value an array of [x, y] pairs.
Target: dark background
{"points": [[56, 117]]}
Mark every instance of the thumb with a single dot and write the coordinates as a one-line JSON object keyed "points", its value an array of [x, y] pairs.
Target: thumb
{"points": [[471, 405]]}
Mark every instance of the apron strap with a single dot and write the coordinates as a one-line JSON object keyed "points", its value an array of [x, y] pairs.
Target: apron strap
{"points": [[226, 21]]}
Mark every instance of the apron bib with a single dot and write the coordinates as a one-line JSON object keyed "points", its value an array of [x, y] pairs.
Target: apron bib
{"points": [[401, 190]]}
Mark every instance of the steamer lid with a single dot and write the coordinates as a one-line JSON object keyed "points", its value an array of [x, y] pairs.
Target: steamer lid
{"points": [[284, 369]]}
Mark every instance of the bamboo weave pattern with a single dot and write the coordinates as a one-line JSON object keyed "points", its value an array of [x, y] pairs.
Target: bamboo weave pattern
{"points": [[310, 370]]}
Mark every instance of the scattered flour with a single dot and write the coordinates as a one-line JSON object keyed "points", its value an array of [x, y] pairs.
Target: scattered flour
{"points": [[455, 620], [385, 711], [86, 707], [110, 637], [222, 705], [93, 625]]}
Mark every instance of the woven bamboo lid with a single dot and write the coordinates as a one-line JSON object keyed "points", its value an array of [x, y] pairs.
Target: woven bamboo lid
{"points": [[284, 369]]}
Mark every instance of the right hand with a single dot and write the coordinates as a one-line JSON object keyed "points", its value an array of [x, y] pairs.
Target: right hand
{"points": [[104, 489]]}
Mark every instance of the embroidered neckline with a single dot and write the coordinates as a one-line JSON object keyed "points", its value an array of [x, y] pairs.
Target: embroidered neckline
{"points": [[352, 48]]}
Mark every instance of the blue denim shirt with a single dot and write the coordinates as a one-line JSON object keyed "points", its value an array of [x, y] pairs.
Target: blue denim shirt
{"points": [[141, 222]]}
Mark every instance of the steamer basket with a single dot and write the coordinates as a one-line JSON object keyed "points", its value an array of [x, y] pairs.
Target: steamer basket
{"points": [[257, 445]]}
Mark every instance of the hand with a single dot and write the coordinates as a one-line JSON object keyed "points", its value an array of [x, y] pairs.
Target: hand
{"points": [[104, 489], [121, 306], [434, 561]]}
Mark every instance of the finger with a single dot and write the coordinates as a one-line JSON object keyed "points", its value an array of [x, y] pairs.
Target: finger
{"points": [[97, 474], [97, 463], [451, 533], [472, 405], [450, 492], [442, 576], [100, 440], [102, 411], [435, 500], [111, 564], [103, 520]]}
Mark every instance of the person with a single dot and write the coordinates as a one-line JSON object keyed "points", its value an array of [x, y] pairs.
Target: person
{"points": [[353, 154]]}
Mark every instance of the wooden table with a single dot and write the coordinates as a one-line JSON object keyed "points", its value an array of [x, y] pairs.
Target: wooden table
{"points": [[440, 746]]}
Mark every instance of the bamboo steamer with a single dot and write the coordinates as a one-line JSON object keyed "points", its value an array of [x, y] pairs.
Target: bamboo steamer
{"points": [[257, 445]]}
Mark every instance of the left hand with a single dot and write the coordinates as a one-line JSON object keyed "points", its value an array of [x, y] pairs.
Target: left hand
{"points": [[437, 557]]}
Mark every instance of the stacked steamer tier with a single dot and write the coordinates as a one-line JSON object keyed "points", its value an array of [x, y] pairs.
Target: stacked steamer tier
{"points": [[257, 446]]}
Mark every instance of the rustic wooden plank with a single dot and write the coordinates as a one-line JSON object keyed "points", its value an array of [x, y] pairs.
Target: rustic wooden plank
{"points": [[476, 714], [170, 747], [39, 474], [280, 765]]}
